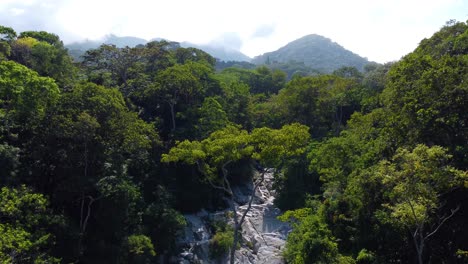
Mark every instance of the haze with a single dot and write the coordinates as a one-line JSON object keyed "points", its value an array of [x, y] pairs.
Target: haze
{"points": [[379, 30]]}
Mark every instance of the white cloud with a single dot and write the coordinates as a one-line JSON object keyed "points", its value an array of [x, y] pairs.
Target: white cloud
{"points": [[16, 11], [377, 29]]}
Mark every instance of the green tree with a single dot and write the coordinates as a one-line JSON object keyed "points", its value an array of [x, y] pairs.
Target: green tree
{"points": [[24, 97], [7, 34], [158, 56], [311, 241], [180, 90], [93, 165], [184, 55], [140, 249], [415, 181], [224, 147], [236, 101], [212, 117], [112, 66], [44, 36], [5, 50], [9, 162], [25, 220], [44, 53], [428, 95], [324, 103]]}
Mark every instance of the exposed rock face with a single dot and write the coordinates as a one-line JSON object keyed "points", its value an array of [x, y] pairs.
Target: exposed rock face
{"points": [[263, 236]]}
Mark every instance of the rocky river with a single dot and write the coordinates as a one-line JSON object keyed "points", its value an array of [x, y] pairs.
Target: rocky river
{"points": [[263, 235]]}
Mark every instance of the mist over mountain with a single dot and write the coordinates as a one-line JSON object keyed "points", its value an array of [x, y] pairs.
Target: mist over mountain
{"points": [[221, 52], [311, 52], [316, 52], [78, 49]]}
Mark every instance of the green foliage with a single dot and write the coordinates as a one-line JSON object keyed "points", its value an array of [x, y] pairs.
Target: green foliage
{"points": [[462, 254], [140, 249], [5, 50], [163, 222], [324, 103], [230, 144], [44, 53], [315, 51], [7, 33], [427, 92], [50, 38], [348, 72], [222, 240], [236, 102], [178, 92], [24, 96], [261, 80], [140, 244], [293, 69], [414, 182], [9, 162], [384, 180], [212, 117], [184, 55], [111, 66], [365, 256], [311, 241], [370, 199], [212, 154], [274, 146], [25, 217]]}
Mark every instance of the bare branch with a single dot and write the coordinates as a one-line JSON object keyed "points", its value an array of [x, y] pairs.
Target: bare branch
{"points": [[252, 196], [202, 171], [222, 188], [453, 211]]}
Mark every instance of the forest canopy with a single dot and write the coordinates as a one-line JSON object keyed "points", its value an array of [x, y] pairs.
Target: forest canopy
{"points": [[100, 159]]}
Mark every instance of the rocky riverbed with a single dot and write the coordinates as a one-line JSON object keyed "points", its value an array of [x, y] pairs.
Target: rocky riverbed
{"points": [[263, 235]]}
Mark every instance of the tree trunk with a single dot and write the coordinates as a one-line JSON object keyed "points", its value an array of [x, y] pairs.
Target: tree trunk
{"points": [[419, 247], [171, 105], [236, 231], [423, 238], [238, 223], [420, 260]]}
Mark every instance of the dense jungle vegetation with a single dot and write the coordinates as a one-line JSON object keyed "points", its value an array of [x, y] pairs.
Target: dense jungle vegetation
{"points": [[100, 159]]}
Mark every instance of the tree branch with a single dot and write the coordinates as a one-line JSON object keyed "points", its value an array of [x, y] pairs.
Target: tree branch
{"points": [[415, 219], [252, 196], [453, 211], [202, 171]]}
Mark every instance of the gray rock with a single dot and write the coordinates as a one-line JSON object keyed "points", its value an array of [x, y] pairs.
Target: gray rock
{"points": [[263, 235]]}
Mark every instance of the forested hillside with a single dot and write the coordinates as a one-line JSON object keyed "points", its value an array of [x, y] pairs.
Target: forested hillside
{"points": [[100, 159], [315, 52]]}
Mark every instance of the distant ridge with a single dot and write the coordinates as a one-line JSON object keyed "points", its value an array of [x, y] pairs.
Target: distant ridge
{"points": [[317, 52], [77, 49]]}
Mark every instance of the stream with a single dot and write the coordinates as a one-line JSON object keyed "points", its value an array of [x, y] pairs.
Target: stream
{"points": [[263, 234]]}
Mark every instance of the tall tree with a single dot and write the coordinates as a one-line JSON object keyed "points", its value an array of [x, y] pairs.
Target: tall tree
{"points": [[417, 181], [224, 147], [24, 97]]}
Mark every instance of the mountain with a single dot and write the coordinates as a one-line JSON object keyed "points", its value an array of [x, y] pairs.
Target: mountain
{"points": [[119, 42], [77, 49], [316, 52]]}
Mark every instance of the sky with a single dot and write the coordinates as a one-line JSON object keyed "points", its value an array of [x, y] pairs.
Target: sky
{"points": [[380, 30]]}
